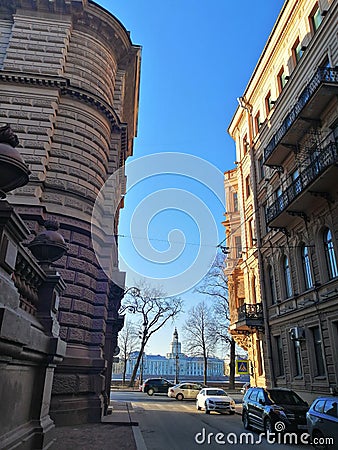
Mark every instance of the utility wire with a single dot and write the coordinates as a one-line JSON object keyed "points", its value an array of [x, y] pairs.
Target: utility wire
{"points": [[166, 241], [207, 245]]}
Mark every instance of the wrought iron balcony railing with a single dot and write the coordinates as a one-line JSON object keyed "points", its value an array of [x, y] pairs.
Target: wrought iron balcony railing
{"points": [[323, 75], [250, 311], [325, 158]]}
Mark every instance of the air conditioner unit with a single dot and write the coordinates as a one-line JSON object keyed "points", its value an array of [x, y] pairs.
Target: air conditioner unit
{"points": [[297, 333]]}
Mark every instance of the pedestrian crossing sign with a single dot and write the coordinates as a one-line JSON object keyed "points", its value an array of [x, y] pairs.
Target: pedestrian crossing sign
{"points": [[242, 366]]}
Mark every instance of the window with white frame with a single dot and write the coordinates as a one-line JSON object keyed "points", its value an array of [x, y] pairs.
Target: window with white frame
{"points": [[306, 266], [287, 277], [331, 261]]}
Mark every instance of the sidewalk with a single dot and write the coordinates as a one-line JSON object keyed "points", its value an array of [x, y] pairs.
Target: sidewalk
{"points": [[118, 431]]}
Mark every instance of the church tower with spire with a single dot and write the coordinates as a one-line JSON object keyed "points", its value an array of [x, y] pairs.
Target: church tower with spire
{"points": [[175, 346]]}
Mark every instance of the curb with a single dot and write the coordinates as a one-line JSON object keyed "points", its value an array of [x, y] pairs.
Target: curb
{"points": [[122, 414], [139, 441]]}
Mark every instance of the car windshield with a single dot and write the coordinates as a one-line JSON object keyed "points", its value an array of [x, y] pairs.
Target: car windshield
{"points": [[285, 398], [215, 392]]}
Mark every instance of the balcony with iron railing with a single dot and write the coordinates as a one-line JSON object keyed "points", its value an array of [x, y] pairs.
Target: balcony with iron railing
{"points": [[317, 178], [310, 104], [249, 317]]}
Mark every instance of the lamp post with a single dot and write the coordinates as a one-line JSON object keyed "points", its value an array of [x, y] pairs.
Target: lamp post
{"points": [[141, 335], [177, 368]]}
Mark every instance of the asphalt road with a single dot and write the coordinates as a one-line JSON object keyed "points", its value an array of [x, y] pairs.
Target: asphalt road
{"points": [[168, 424]]}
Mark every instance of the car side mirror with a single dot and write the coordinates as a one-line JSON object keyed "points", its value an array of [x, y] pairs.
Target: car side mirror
{"points": [[261, 402]]}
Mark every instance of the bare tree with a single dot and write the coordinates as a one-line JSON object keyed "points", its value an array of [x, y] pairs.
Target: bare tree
{"points": [[199, 334], [215, 285], [128, 340], [154, 309]]}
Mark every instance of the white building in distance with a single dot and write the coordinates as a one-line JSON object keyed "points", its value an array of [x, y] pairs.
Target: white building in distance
{"points": [[187, 367]]}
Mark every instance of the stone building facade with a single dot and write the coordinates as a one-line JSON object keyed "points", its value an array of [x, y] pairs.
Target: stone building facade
{"points": [[286, 134], [69, 83]]}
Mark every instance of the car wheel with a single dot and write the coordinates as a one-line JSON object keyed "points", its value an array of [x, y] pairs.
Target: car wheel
{"points": [[179, 396], [316, 437], [198, 406], [232, 412], [268, 426], [206, 409], [245, 420], [150, 391]]}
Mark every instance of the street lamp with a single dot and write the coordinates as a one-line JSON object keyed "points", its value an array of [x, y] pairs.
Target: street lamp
{"points": [[177, 367], [141, 335]]}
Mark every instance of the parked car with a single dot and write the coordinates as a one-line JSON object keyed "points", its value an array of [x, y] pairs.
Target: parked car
{"points": [[245, 387], [156, 385], [213, 399], [185, 390], [322, 422], [263, 408]]}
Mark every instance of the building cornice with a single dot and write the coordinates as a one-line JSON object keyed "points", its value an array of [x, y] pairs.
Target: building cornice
{"points": [[66, 89]]}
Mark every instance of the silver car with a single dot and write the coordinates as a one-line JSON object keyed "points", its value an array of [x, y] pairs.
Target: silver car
{"points": [[184, 390], [322, 422], [213, 399]]}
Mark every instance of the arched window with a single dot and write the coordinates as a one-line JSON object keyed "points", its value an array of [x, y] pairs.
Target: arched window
{"points": [[271, 281], [287, 277], [331, 260], [306, 265]]}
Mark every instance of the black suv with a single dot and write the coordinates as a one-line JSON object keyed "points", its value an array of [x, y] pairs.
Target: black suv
{"points": [[156, 385], [263, 408]]}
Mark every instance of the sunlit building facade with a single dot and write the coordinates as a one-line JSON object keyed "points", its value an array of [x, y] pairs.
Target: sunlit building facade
{"points": [[286, 132], [241, 270]]}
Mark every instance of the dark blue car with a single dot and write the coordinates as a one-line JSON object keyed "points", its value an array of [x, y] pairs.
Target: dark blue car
{"points": [[322, 422]]}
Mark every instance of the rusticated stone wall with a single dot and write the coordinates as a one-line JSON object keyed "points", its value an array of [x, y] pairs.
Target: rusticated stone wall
{"points": [[69, 88]]}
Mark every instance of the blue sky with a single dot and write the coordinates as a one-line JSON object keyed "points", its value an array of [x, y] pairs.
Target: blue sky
{"points": [[197, 58]]}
